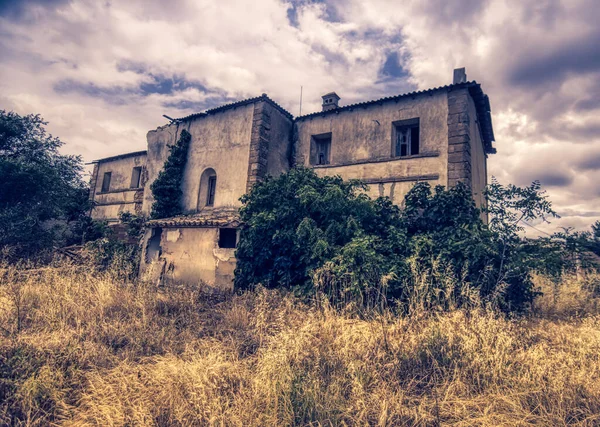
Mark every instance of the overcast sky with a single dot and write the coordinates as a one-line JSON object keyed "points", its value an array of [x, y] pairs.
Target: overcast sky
{"points": [[103, 72]]}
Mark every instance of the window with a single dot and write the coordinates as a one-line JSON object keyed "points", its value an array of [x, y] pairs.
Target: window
{"points": [[227, 238], [153, 250], [405, 138], [136, 174], [106, 182], [321, 149], [212, 185], [208, 189]]}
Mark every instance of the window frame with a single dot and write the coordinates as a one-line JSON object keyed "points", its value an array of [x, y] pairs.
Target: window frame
{"points": [[226, 239], [401, 126], [139, 177], [105, 188], [317, 142], [211, 190]]}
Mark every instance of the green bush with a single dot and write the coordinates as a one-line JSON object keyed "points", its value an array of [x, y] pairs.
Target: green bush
{"points": [[314, 234], [166, 189]]}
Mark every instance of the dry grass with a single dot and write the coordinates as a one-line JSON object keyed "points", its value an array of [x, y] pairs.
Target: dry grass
{"points": [[85, 350]]}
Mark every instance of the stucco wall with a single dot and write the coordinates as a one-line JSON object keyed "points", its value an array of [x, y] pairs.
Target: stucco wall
{"points": [[361, 144], [219, 141], [280, 142], [478, 157], [120, 197], [192, 256]]}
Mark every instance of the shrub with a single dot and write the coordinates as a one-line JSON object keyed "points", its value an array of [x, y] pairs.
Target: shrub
{"points": [[166, 189], [314, 234]]}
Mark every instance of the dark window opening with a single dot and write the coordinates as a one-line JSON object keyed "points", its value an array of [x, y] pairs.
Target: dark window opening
{"points": [[406, 139], [210, 195], [227, 238], [154, 250], [106, 182], [321, 149], [136, 175]]}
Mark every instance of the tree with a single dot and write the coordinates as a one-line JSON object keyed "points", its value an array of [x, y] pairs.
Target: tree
{"points": [[41, 190], [166, 189], [314, 234]]}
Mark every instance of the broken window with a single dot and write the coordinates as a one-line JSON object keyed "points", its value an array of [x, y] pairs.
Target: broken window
{"points": [[154, 250], [227, 238], [136, 174], [106, 182], [321, 149], [212, 186], [406, 138]]}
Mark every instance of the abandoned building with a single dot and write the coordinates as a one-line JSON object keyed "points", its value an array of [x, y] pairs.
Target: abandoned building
{"points": [[441, 135]]}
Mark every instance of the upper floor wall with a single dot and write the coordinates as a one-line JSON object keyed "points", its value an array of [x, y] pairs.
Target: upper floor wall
{"points": [[231, 148], [117, 185], [390, 144]]}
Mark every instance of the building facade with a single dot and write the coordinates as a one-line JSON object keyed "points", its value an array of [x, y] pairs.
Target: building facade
{"points": [[441, 135]]}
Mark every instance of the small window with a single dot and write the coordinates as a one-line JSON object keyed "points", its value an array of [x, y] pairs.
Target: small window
{"points": [[406, 138], [212, 186], [321, 149], [136, 174], [106, 182], [227, 238]]}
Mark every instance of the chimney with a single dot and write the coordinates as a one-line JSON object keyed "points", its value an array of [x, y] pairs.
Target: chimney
{"points": [[330, 101], [460, 76]]}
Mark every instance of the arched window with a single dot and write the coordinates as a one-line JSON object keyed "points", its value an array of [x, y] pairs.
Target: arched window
{"points": [[208, 188]]}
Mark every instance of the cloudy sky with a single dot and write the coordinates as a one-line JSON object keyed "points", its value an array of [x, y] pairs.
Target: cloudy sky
{"points": [[103, 72]]}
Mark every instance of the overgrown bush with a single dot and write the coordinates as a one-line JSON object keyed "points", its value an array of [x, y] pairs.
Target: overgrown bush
{"points": [[314, 234], [166, 189]]}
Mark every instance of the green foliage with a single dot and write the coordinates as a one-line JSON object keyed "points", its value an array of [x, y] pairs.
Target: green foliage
{"points": [[41, 191], [134, 224], [119, 259], [323, 234], [166, 189]]}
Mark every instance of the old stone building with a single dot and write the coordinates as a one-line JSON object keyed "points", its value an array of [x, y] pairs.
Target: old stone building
{"points": [[441, 135]]}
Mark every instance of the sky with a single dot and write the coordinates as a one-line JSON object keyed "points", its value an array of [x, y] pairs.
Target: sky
{"points": [[103, 73]]}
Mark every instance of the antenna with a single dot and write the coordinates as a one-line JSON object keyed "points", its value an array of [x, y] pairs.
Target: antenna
{"points": [[300, 113]]}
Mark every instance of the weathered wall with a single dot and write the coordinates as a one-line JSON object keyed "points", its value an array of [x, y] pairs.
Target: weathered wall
{"points": [[361, 145], [478, 157], [192, 256], [220, 141], [120, 197], [280, 142]]}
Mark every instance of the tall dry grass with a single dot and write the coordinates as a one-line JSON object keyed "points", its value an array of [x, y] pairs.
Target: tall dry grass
{"points": [[82, 349]]}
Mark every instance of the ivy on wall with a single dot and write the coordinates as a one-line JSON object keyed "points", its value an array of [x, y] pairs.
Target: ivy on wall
{"points": [[166, 189]]}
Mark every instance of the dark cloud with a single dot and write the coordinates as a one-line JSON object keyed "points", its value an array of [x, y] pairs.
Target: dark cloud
{"points": [[589, 163], [17, 9], [112, 94], [549, 64], [449, 12], [557, 176]]}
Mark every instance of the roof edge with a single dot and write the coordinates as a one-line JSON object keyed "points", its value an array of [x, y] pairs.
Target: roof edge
{"points": [[243, 102], [120, 156]]}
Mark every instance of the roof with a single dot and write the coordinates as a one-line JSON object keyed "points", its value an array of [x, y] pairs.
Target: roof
{"points": [[241, 103], [121, 156], [207, 218], [482, 105], [331, 94]]}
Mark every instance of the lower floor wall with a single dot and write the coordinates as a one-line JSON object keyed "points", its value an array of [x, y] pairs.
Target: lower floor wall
{"points": [[187, 255]]}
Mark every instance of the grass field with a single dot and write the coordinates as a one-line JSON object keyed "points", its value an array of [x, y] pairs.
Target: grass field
{"points": [[78, 348]]}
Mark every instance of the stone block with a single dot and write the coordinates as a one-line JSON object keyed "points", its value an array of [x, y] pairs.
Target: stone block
{"points": [[458, 129]]}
